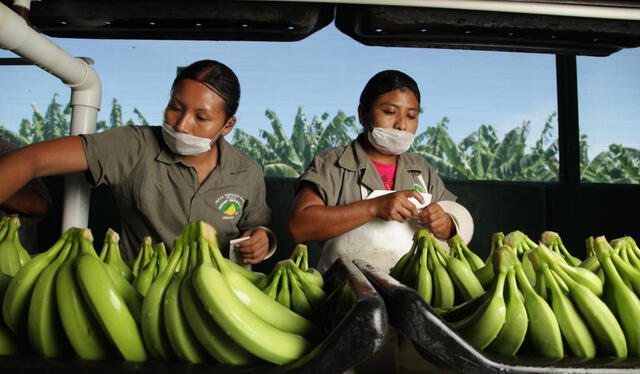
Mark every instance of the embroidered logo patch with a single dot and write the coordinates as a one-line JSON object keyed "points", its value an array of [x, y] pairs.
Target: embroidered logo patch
{"points": [[230, 205], [417, 187]]}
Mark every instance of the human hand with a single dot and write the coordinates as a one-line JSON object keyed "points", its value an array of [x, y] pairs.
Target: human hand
{"points": [[437, 221], [396, 206], [254, 249]]}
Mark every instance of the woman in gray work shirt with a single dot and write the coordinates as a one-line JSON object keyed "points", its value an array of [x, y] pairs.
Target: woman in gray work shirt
{"points": [[164, 177]]}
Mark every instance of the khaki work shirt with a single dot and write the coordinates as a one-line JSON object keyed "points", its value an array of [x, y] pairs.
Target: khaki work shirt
{"points": [[338, 173], [157, 192]]}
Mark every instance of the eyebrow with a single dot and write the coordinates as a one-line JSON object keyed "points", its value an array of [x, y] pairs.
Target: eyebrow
{"points": [[396, 106]]}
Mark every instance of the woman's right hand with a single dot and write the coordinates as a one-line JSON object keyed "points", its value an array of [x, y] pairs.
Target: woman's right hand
{"points": [[396, 206]]}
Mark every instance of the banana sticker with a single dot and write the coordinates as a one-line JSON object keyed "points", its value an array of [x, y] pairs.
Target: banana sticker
{"points": [[230, 205]]}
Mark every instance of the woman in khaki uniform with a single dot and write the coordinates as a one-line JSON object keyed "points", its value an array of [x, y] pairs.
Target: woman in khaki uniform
{"points": [[367, 199], [165, 176]]}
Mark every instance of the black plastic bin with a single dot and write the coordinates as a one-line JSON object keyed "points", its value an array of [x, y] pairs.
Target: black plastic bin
{"points": [[355, 337], [440, 345]]}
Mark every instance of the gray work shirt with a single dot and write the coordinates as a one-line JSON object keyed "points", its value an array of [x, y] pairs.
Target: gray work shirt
{"points": [[338, 172], [157, 192]]}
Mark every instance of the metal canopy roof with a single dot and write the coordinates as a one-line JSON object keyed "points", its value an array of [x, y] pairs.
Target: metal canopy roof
{"points": [[415, 26]]}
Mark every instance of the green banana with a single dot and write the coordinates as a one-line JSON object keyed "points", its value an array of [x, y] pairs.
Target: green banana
{"points": [[110, 254], [314, 276], [591, 263], [299, 302], [284, 294], [44, 329], [624, 301], [424, 282], [514, 330], [463, 252], [252, 276], [314, 294], [410, 272], [16, 298], [184, 343], [573, 327], [144, 255], [212, 338], [8, 344], [463, 278], [146, 274], [80, 325], [601, 320], [628, 272], [273, 313], [399, 268], [459, 312], [271, 289], [482, 327], [543, 327], [242, 324], [13, 256], [443, 289], [129, 294], [152, 321], [162, 258], [109, 307]]}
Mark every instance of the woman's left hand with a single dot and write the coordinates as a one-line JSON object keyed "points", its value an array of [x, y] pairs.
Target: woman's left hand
{"points": [[255, 248], [437, 221]]}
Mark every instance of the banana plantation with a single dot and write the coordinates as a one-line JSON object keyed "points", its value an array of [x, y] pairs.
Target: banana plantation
{"points": [[481, 155]]}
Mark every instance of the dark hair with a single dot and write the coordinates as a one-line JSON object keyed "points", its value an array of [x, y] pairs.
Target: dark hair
{"points": [[383, 82], [218, 77]]}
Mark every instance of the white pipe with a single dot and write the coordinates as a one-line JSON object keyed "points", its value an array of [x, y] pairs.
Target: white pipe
{"points": [[550, 9], [23, 3], [86, 92]]}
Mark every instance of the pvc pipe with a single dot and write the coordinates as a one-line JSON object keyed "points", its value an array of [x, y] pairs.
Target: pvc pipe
{"points": [[551, 9], [86, 92]]}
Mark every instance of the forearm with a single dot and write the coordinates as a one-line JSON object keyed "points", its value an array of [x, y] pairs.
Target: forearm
{"points": [[58, 156], [319, 222], [26, 201]]}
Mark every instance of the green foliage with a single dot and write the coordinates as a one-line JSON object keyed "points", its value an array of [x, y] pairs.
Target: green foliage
{"points": [[56, 122], [283, 156], [481, 155]]}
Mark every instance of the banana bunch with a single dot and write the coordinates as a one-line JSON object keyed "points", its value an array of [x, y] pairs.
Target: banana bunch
{"points": [[443, 280], [13, 256], [144, 255], [111, 255], [148, 271], [66, 299], [200, 308], [619, 295], [575, 298], [553, 241], [294, 284]]}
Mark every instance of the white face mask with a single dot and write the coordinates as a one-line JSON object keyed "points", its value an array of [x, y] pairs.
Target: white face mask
{"points": [[185, 144], [390, 141]]}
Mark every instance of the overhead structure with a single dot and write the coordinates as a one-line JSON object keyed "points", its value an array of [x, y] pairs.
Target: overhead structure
{"points": [[569, 27]]}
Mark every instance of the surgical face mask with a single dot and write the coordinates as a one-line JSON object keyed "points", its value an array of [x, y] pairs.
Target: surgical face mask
{"points": [[185, 144], [390, 141]]}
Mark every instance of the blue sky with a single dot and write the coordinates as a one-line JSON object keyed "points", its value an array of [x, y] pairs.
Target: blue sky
{"points": [[326, 72]]}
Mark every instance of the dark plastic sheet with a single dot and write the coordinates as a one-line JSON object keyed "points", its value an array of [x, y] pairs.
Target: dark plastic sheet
{"points": [[439, 344], [360, 333]]}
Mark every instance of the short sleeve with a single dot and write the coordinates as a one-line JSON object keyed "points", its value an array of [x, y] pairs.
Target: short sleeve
{"points": [[319, 174], [113, 154]]}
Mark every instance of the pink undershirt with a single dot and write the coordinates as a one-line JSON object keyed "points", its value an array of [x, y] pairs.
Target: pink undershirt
{"points": [[387, 173]]}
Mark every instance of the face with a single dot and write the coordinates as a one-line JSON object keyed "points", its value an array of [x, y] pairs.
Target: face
{"points": [[196, 110], [397, 109]]}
